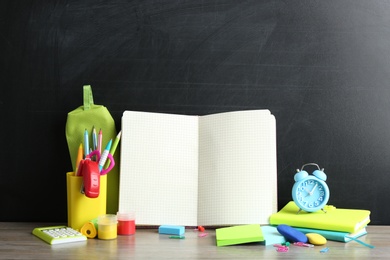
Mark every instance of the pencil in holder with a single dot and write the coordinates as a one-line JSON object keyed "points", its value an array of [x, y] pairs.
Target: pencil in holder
{"points": [[82, 209]]}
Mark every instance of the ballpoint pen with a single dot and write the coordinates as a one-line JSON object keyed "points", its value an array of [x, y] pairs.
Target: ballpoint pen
{"points": [[103, 157]]}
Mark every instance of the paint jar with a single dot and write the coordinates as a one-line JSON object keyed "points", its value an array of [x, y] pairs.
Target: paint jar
{"points": [[126, 223], [107, 226]]}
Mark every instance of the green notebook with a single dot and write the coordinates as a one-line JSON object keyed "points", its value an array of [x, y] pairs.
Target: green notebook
{"points": [[239, 235], [344, 220]]}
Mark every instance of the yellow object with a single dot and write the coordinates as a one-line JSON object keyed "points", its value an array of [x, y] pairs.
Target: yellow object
{"points": [[107, 226], [78, 158], [82, 209], [89, 230], [316, 239]]}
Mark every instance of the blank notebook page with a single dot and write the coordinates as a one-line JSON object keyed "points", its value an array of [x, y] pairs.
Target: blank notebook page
{"points": [[237, 174], [158, 178]]}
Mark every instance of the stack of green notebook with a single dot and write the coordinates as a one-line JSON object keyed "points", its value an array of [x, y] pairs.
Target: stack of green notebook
{"points": [[239, 235], [336, 224]]}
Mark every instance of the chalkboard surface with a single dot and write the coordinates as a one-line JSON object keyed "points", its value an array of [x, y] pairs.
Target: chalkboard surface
{"points": [[321, 67]]}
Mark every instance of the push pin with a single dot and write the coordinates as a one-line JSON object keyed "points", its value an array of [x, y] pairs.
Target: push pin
{"points": [[201, 229]]}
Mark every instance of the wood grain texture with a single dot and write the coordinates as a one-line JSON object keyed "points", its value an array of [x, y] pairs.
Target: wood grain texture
{"points": [[17, 242]]}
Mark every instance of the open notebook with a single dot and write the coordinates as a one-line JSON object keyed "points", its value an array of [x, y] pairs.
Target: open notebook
{"points": [[212, 170]]}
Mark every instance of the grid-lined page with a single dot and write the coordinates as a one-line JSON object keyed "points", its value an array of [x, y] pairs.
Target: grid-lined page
{"points": [[238, 168], [159, 168]]}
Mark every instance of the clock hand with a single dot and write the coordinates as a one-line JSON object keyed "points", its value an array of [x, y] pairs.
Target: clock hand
{"points": [[315, 186], [308, 192]]}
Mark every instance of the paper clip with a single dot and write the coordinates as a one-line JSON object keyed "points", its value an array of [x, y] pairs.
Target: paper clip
{"points": [[326, 249], [281, 248], [177, 237], [302, 244]]}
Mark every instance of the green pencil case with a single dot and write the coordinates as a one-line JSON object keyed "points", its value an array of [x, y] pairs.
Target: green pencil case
{"points": [[87, 117]]}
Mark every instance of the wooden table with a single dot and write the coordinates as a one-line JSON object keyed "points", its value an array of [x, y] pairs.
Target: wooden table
{"points": [[17, 242]]}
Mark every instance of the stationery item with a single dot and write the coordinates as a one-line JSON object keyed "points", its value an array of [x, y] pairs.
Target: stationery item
{"points": [[271, 236], [79, 157], [91, 178], [212, 170], [86, 143], [344, 220], [103, 158], [111, 165], [291, 234], [324, 250], [171, 230], [94, 138], [54, 235], [335, 235], [84, 117], [200, 228], [281, 248], [107, 226], [361, 242], [302, 244], [177, 237], [316, 239], [126, 223], [238, 235], [114, 146], [82, 209], [89, 229], [100, 141]]}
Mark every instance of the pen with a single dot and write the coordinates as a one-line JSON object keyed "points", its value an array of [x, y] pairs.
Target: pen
{"points": [[79, 157], [86, 143], [114, 146], [103, 158]]}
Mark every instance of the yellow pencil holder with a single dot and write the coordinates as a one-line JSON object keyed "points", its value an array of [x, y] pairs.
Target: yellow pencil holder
{"points": [[82, 209]]}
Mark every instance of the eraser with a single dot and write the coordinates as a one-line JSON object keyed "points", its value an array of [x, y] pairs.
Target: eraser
{"points": [[171, 230], [291, 234]]}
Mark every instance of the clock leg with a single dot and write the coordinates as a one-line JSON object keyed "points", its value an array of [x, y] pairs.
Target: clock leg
{"points": [[323, 210]]}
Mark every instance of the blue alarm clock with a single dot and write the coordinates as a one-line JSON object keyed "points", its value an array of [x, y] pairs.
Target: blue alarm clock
{"points": [[310, 192]]}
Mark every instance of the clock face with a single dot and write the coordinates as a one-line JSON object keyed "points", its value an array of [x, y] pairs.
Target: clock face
{"points": [[310, 194]]}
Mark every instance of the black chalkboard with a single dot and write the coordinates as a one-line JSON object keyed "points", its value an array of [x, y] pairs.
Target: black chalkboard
{"points": [[321, 67]]}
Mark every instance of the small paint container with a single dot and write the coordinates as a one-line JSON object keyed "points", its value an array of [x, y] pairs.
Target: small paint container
{"points": [[126, 223], [107, 226]]}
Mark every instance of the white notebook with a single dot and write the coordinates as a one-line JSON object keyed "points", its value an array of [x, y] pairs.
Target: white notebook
{"points": [[212, 170]]}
